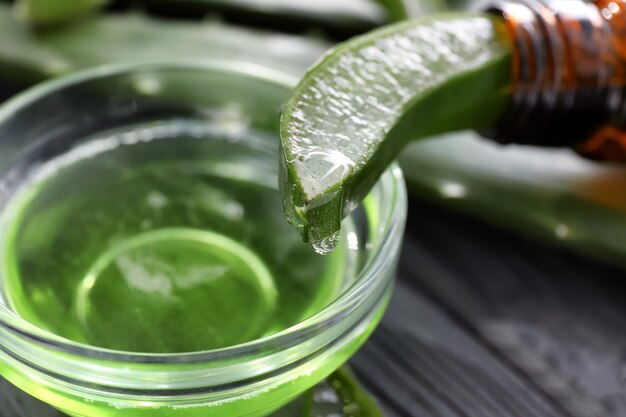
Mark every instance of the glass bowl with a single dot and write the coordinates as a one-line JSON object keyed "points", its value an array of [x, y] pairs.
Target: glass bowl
{"points": [[247, 379]]}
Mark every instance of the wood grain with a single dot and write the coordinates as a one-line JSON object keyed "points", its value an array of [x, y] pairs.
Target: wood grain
{"points": [[554, 318], [422, 363]]}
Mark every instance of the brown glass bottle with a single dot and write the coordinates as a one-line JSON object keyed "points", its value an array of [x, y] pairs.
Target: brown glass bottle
{"points": [[568, 76]]}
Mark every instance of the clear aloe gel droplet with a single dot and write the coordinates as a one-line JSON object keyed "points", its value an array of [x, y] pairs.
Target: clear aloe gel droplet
{"points": [[327, 244]]}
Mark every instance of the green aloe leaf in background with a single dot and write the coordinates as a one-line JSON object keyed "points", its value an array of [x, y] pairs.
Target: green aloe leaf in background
{"points": [[552, 194], [343, 18], [45, 13], [353, 400], [409, 9], [339, 395], [29, 57]]}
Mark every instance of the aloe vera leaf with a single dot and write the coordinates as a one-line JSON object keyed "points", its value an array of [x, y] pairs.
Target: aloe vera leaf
{"points": [[45, 13], [347, 17], [30, 57], [411, 9], [552, 194], [354, 399], [356, 109], [339, 395]]}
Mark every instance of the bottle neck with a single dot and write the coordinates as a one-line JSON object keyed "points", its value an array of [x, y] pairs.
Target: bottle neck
{"points": [[569, 71]]}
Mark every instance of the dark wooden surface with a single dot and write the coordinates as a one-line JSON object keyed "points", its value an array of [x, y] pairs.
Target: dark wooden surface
{"points": [[484, 323]]}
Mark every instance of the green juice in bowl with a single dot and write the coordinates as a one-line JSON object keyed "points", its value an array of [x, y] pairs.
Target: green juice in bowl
{"points": [[172, 244], [147, 269]]}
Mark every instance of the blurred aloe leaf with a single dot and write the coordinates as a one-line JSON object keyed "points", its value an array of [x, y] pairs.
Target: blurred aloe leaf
{"points": [[342, 395], [409, 9], [340, 17], [45, 13], [30, 57], [33, 56], [339, 395], [553, 194]]}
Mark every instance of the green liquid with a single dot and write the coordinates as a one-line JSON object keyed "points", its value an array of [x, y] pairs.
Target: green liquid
{"points": [[162, 238]]}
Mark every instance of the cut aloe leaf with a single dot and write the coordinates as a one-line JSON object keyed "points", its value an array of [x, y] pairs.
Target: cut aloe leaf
{"points": [[45, 13], [359, 106], [31, 57]]}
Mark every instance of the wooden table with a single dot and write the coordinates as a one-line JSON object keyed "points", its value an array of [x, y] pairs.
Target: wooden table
{"points": [[484, 324]]}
